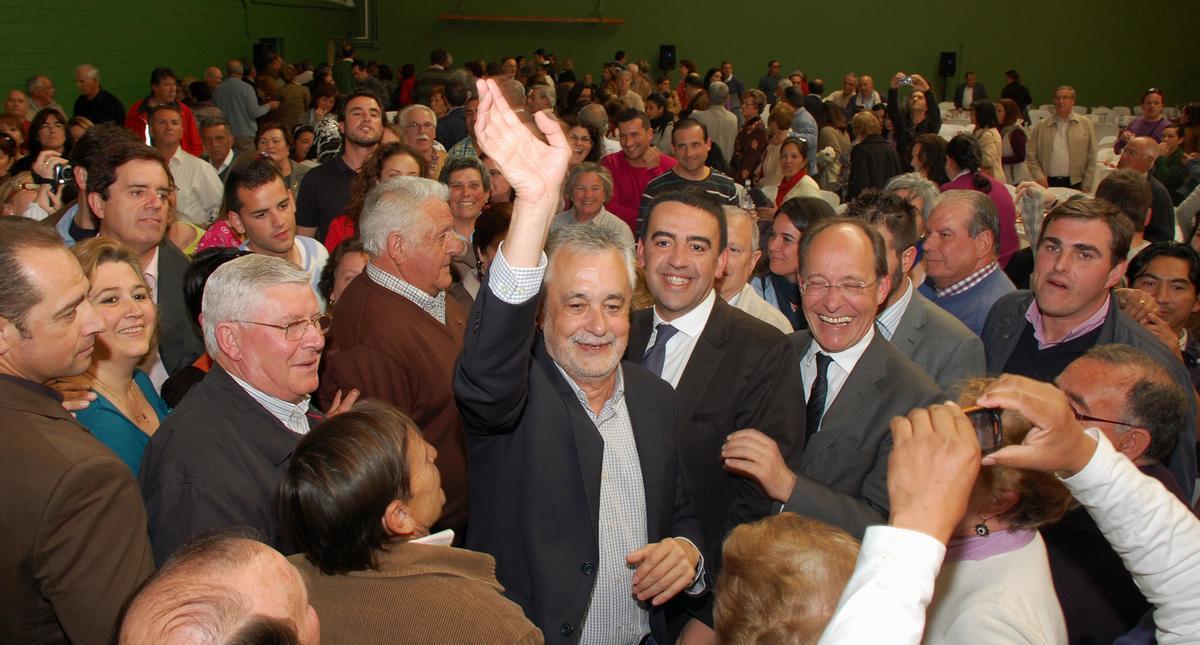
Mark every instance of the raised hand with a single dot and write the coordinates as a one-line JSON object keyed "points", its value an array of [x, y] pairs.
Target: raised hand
{"points": [[535, 169], [932, 469], [1056, 443]]}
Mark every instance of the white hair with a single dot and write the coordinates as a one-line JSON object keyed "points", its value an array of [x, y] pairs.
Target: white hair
{"points": [[235, 291], [732, 212], [405, 115], [718, 91], [395, 206], [588, 238], [89, 71], [915, 184]]}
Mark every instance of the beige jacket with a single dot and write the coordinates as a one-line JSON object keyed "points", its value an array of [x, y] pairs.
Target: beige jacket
{"points": [[989, 142], [1081, 142]]}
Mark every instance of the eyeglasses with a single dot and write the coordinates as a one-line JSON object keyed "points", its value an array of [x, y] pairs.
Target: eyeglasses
{"points": [[988, 427], [818, 288], [1079, 416], [294, 331], [419, 126], [52, 126]]}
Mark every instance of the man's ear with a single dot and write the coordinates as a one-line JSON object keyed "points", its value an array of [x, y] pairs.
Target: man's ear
{"points": [[641, 250], [228, 341], [908, 259], [80, 177], [397, 522], [985, 242], [235, 222], [1134, 443], [96, 203]]}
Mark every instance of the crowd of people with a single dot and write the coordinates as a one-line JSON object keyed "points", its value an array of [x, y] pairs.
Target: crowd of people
{"points": [[505, 353]]}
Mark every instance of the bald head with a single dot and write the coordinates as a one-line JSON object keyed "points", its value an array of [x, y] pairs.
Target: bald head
{"points": [[213, 76], [234, 68], [1139, 154], [221, 588]]}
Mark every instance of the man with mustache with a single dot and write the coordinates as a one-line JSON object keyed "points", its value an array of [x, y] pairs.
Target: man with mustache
{"points": [[396, 334], [576, 485], [325, 190], [1079, 257], [74, 527]]}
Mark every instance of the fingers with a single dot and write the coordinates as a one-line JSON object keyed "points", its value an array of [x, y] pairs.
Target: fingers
{"points": [[663, 573], [351, 398], [551, 128]]}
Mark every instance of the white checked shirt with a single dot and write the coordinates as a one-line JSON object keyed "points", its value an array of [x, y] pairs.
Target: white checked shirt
{"points": [[968, 282], [294, 416], [433, 305]]}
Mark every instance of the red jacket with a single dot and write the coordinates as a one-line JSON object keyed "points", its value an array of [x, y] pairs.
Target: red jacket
{"points": [[136, 121]]}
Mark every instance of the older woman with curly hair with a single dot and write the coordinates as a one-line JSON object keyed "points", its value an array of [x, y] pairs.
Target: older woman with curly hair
{"points": [[389, 160], [995, 585]]}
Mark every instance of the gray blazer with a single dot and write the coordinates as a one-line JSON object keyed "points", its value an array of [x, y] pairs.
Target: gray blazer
{"points": [[842, 477], [1006, 322], [939, 343]]}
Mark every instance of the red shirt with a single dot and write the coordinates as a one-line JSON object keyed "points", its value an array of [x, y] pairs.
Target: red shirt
{"points": [[629, 183], [340, 230], [136, 121]]}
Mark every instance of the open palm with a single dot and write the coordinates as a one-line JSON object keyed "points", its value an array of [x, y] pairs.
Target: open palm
{"points": [[534, 168]]}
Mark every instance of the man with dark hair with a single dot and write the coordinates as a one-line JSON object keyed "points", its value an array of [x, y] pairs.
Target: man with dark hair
{"points": [[365, 81], [729, 369], [854, 382], [197, 186], [127, 191], [803, 124], [164, 87], [935, 340], [1169, 273], [239, 105], [770, 80], [94, 102], [968, 92], [74, 220], [634, 166], [452, 127], [1139, 155], [260, 208], [1129, 191], [1133, 400], [1079, 258], [436, 75], [691, 144], [325, 190], [218, 146], [223, 587], [74, 526], [1014, 90], [721, 124]]}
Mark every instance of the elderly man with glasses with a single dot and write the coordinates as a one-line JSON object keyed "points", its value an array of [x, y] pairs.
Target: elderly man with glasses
{"points": [[218, 458]]}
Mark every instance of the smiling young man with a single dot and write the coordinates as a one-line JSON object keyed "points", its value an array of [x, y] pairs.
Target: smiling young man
{"points": [[325, 190], [854, 382], [263, 212], [729, 369], [691, 145], [634, 165], [1170, 273], [1080, 257]]}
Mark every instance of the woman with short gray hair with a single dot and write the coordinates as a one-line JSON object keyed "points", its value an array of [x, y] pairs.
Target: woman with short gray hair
{"points": [[588, 187]]}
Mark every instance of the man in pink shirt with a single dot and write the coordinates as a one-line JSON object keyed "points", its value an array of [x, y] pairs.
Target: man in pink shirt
{"points": [[634, 166]]}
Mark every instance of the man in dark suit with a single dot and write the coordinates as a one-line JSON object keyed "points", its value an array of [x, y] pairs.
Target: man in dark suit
{"points": [[729, 369], [575, 477], [969, 92], [1080, 256], [855, 380], [935, 340], [127, 192], [74, 529], [217, 460]]}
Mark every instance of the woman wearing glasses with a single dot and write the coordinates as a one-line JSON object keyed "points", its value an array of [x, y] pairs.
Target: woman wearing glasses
{"points": [[127, 410], [47, 131], [995, 584]]}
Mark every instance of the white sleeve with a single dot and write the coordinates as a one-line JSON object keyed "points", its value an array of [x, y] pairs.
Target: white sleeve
{"points": [[885, 600], [1157, 537], [515, 285]]}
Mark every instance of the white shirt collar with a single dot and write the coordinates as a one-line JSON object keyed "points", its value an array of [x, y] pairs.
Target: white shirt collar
{"points": [[890, 318], [692, 323], [845, 359], [150, 272]]}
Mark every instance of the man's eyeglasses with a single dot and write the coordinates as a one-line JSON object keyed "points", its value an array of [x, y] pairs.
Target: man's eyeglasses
{"points": [[294, 331], [1079, 416], [818, 288]]}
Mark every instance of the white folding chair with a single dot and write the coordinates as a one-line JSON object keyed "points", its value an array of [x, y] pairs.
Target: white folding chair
{"points": [[1106, 154], [1125, 120], [1106, 142], [1079, 109], [1046, 107], [1121, 110], [1137, 110], [1064, 194], [1037, 115], [1107, 130], [831, 198], [946, 107], [1171, 112], [1103, 114]]}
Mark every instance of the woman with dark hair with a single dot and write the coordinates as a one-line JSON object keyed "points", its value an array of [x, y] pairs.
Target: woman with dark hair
{"points": [[408, 82], [491, 228], [779, 282], [327, 141], [585, 143], [873, 161], [580, 95], [346, 261], [929, 158], [8, 154], [1013, 140], [962, 165], [920, 115], [302, 141], [987, 132], [995, 585], [686, 67], [779, 127], [662, 122], [387, 161], [47, 131], [358, 499], [274, 145], [1150, 123], [793, 174]]}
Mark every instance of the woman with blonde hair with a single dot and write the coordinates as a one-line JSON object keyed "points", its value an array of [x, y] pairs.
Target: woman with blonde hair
{"points": [[127, 410]]}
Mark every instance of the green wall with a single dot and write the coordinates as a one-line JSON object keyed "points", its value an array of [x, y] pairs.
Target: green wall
{"points": [[128, 38], [1110, 53]]}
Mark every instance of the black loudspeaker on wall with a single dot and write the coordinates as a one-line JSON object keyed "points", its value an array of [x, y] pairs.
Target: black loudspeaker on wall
{"points": [[948, 64], [666, 57]]}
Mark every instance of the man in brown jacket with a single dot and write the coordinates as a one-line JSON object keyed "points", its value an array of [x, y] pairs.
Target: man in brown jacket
{"points": [[395, 334], [74, 529]]}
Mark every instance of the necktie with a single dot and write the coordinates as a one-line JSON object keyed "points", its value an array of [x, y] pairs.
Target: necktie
{"points": [[657, 354], [816, 398]]}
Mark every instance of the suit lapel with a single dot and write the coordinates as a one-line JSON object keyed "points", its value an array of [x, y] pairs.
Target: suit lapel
{"points": [[703, 363], [851, 400], [643, 413], [640, 327], [908, 332]]}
